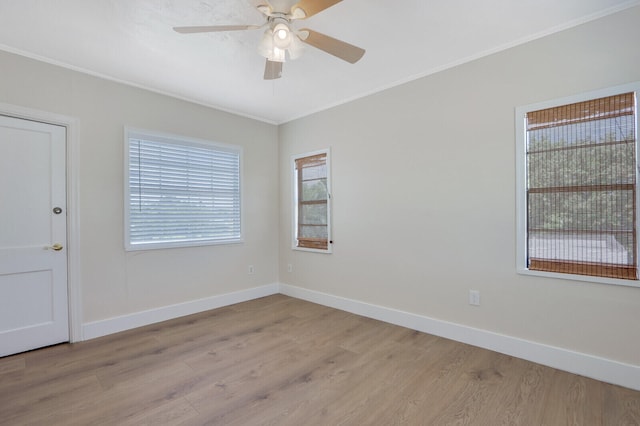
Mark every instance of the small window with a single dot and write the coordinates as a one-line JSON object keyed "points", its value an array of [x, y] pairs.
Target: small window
{"points": [[577, 187], [312, 202], [180, 192]]}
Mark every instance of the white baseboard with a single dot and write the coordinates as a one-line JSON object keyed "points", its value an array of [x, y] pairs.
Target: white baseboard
{"points": [[603, 369], [104, 327]]}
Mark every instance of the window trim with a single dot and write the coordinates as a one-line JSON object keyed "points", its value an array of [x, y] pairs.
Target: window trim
{"points": [[130, 132], [521, 179], [294, 193]]}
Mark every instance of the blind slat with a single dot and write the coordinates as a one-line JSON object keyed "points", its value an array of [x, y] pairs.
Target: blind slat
{"points": [[581, 188], [180, 192], [312, 229], [582, 112]]}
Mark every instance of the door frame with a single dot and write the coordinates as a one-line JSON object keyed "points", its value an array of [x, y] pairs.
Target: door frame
{"points": [[73, 213]]}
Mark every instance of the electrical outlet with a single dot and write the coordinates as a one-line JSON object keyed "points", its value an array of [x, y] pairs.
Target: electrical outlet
{"points": [[250, 269], [474, 297], [289, 267]]}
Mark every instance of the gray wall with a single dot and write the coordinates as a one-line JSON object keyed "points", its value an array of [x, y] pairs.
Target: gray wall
{"points": [[114, 282], [424, 195]]}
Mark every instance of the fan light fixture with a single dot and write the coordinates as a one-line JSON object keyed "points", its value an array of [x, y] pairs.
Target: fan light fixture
{"points": [[279, 40], [281, 36]]}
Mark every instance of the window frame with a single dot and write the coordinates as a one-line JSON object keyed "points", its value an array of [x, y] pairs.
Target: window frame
{"points": [[131, 132], [295, 204], [521, 181]]}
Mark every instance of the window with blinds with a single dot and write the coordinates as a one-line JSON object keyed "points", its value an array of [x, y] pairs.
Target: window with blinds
{"points": [[312, 202], [180, 192], [581, 192]]}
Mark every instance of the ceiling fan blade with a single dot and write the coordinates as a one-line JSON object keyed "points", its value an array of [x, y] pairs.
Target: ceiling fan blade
{"points": [[340, 49], [272, 70], [311, 7], [263, 6], [260, 3], [282, 6], [214, 28]]}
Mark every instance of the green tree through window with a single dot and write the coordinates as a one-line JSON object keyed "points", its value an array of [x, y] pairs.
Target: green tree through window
{"points": [[581, 188]]}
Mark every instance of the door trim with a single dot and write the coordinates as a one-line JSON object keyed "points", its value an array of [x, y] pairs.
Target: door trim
{"points": [[73, 214]]}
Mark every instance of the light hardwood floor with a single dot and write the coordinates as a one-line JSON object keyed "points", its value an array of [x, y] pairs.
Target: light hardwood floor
{"points": [[282, 361]]}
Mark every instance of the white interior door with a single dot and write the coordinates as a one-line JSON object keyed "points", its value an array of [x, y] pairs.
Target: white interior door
{"points": [[33, 235]]}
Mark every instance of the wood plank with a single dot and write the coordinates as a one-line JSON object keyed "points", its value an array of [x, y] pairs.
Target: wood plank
{"points": [[282, 361]]}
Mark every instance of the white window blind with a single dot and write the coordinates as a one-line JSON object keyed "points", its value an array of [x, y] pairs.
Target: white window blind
{"points": [[181, 193]]}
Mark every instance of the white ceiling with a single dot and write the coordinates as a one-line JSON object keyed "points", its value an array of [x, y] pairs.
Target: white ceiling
{"points": [[132, 41]]}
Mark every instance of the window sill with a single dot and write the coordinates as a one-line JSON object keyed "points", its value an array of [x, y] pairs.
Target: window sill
{"points": [[312, 250], [573, 277], [185, 244]]}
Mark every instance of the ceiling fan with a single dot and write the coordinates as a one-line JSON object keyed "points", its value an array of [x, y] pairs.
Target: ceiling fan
{"points": [[280, 39]]}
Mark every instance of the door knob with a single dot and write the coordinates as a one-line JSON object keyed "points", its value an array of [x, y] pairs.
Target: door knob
{"points": [[56, 247]]}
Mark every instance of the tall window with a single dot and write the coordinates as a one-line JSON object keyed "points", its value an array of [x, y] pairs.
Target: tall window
{"points": [[312, 199], [580, 194], [180, 192]]}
